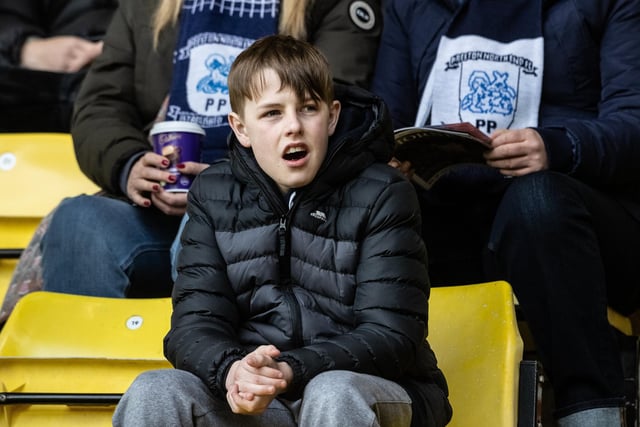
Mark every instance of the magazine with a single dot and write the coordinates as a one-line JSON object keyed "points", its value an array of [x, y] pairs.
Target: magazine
{"points": [[433, 149]]}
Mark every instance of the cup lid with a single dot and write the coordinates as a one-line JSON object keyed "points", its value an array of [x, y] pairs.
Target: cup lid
{"points": [[176, 126]]}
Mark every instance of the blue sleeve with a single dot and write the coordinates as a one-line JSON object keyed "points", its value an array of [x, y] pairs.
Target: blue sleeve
{"points": [[408, 45], [605, 150]]}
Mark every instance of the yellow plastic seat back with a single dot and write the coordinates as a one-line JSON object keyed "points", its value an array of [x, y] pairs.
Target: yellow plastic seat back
{"points": [[59, 343], [474, 333], [37, 170]]}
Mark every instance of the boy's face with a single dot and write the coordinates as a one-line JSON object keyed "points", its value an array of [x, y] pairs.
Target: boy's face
{"points": [[288, 136]]}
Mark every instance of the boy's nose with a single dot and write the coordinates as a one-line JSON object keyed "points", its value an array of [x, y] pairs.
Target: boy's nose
{"points": [[293, 123]]}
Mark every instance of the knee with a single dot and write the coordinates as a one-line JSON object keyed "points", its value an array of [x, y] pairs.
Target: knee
{"points": [[331, 385], [84, 218], [349, 398], [534, 196], [163, 385], [339, 389], [151, 397], [534, 210], [533, 203], [151, 383], [77, 206], [75, 213]]}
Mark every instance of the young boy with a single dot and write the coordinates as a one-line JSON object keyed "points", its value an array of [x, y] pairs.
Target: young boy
{"points": [[302, 287]]}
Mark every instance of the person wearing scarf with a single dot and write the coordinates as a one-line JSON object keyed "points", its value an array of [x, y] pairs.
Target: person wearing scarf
{"points": [[555, 211], [119, 245]]}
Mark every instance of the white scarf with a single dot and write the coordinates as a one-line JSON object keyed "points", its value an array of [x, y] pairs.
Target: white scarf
{"points": [[488, 69]]}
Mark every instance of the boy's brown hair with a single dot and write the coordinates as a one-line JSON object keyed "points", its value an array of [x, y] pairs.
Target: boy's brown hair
{"points": [[298, 64]]}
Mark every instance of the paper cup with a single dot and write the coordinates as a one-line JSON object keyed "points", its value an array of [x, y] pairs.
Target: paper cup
{"points": [[179, 142]]}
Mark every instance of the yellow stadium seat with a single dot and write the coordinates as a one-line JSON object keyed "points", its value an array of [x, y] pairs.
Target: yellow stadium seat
{"points": [[474, 333], [83, 352], [66, 359], [628, 325], [37, 170]]}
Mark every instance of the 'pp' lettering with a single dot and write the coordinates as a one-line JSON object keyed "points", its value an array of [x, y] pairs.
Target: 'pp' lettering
{"points": [[487, 126], [215, 104]]}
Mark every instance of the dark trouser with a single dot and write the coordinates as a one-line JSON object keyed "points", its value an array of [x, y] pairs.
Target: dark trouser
{"points": [[567, 250]]}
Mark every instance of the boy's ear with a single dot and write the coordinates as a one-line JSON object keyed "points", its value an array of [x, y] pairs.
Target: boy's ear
{"points": [[334, 115], [239, 129]]}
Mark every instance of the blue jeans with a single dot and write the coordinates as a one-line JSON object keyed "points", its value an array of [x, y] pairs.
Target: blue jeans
{"points": [[107, 247], [171, 397], [568, 250]]}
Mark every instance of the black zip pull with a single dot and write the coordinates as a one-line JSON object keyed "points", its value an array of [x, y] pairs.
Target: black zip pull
{"points": [[282, 234]]}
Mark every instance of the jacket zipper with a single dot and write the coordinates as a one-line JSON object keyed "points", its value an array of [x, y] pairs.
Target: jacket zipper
{"points": [[284, 254]]}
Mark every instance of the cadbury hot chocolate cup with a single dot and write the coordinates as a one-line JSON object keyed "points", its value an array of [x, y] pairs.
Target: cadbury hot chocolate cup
{"points": [[179, 142]]}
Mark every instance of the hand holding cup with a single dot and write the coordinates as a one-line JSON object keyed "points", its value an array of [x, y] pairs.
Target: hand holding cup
{"points": [[178, 142]]}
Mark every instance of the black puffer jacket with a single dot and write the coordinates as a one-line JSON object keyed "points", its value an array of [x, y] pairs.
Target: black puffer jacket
{"points": [[20, 19], [338, 281]]}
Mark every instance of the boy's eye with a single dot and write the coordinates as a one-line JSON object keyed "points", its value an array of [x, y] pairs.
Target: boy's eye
{"points": [[271, 113], [309, 108]]}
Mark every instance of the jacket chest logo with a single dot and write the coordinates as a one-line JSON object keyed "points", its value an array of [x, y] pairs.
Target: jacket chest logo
{"points": [[317, 214]]}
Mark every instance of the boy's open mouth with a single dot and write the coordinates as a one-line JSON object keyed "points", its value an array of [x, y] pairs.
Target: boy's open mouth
{"points": [[295, 153]]}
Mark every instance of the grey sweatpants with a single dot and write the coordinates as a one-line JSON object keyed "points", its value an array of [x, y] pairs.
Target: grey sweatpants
{"points": [[171, 397]]}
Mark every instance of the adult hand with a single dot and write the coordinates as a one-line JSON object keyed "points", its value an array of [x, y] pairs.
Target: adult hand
{"points": [[405, 167], [253, 382], [64, 54], [175, 203], [517, 152], [144, 184]]}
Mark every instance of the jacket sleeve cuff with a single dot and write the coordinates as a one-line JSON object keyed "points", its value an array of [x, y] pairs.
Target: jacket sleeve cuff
{"points": [[126, 170], [561, 149], [295, 389], [218, 382]]}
